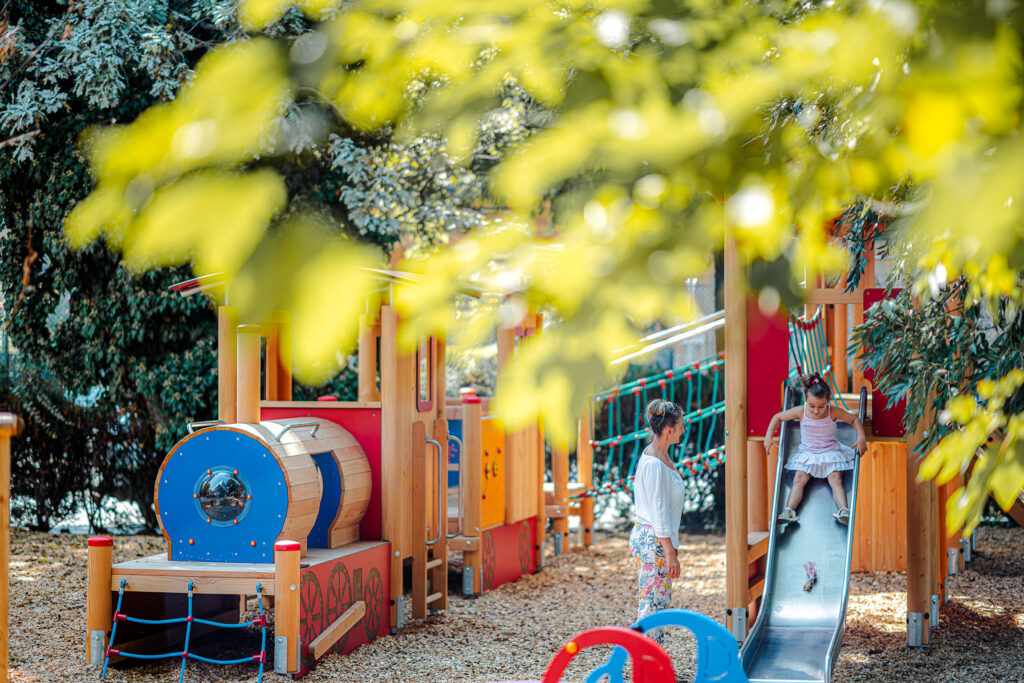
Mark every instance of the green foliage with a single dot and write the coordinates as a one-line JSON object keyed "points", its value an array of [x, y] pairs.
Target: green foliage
{"points": [[673, 125]]}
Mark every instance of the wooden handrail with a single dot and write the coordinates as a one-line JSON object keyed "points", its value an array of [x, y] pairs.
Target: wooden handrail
{"points": [[10, 425]]}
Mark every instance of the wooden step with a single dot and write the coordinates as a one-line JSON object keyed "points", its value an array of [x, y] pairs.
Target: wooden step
{"points": [[434, 563], [434, 597]]}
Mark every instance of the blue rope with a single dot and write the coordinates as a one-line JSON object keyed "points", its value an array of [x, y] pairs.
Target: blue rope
{"points": [[185, 654], [188, 634], [113, 629]]}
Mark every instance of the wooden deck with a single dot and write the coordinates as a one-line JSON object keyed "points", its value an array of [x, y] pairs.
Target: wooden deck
{"points": [[157, 574]]}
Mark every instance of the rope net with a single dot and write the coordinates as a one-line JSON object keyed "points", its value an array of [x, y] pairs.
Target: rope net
{"points": [[809, 351], [620, 432], [188, 620]]}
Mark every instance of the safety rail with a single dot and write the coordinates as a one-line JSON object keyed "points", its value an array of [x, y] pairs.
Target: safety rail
{"points": [[188, 620]]}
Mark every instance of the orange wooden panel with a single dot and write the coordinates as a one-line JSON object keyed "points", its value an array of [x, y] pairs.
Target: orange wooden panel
{"points": [[899, 454], [888, 485]]}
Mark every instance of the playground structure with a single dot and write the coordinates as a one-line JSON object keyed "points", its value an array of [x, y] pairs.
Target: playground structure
{"points": [[318, 509], [900, 522]]}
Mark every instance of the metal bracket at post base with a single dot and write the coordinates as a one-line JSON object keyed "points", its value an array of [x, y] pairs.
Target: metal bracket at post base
{"points": [[540, 555], [739, 623], [400, 614], [559, 540], [966, 543], [915, 629], [467, 582], [97, 647], [281, 655], [935, 610], [954, 562]]}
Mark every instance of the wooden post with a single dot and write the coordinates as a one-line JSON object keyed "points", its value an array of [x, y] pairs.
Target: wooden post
{"points": [[560, 479], [248, 410], [839, 341], [585, 474], [98, 608], [271, 360], [920, 545], [735, 443], [867, 280], [226, 364], [10, 425], [470, 461], [757, 487], [286, 600], [397, 387], [419, 520], [369, 333], [283, 320]]}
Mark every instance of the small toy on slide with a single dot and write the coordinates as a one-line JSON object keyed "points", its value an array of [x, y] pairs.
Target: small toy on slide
{"points": [[812, 575]]}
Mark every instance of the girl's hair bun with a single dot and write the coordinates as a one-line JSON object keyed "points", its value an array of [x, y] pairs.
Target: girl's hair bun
{"points": [[815, 385]]}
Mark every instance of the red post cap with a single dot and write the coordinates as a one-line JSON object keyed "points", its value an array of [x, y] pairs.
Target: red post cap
{"points": [[467, 399], [100, 541], [327, 398], [287, 546], [467, 391]]}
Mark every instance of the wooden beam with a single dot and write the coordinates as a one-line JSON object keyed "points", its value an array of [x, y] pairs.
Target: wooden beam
{"points": [[226, 364], [735, 434], [283, 322], [438, 567], [757, 545], [419, 520], [271, 357], [395, 448], [829, 295], [98, 607], [248, 397], [464, 543], [585, 451], [369, 335], [10, 425], [333, 633], [560, 478]]}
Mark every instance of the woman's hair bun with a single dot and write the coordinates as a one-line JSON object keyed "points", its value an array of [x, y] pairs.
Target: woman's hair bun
{"points": [[661, 414]]}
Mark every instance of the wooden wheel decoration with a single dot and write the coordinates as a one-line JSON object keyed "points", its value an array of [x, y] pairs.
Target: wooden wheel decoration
{"points": [[488, 560], [311, 609], [373, 596], [524, 548], [339, 599]]}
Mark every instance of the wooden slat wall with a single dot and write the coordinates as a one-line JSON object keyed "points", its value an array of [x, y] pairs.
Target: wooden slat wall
{"points": [[880, 538]]}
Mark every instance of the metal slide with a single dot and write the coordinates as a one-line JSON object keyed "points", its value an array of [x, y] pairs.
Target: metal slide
{"points": [[798, 633]]}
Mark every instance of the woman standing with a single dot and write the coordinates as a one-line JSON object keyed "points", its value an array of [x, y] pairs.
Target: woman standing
{"points": [[658, 497]]}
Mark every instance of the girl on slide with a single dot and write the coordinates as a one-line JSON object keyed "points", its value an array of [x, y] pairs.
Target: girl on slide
{"points": [[820, 454]]}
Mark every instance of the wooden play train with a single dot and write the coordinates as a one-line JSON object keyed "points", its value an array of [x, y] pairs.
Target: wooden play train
{"points": [[335, 513]]}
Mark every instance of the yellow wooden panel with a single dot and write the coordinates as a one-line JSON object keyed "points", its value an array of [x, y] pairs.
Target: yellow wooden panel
{"points": [[492, 472]]}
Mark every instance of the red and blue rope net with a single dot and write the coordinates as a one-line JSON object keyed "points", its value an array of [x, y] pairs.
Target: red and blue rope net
{"points": [[698, 388], [188, 620]]}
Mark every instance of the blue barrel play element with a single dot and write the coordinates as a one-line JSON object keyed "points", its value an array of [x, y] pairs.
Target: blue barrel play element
{"points": [[222, 496]]}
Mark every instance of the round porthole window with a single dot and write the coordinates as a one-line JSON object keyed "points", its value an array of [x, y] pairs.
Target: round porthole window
{"points": [[222, 496]]}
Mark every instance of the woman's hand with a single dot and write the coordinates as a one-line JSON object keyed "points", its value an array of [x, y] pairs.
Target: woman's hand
{"points": [[673, 566]]}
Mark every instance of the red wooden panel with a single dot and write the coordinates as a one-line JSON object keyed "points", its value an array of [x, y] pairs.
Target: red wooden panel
{"points": [[509, 551], [767, 366], [886, 419], [327, 589], [364, 425]]}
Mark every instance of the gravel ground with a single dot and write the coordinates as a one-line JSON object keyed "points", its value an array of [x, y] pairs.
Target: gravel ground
{"points": [[512, 632]]}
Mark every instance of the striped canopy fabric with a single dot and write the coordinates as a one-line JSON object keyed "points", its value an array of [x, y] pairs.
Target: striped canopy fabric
{"points": [[809, 351]]}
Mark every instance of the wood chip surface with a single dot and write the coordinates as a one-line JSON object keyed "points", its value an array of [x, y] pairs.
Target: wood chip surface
{"points": [[512, 632]]}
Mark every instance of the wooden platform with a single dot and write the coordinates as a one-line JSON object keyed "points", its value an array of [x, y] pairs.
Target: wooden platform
{"points": [[157, 574]]}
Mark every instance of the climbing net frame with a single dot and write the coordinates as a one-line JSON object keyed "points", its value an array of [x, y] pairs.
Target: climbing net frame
{"points": [[188, 620], [699, 449]]}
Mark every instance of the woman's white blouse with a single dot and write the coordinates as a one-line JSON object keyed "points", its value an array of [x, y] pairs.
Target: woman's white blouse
{"points": [[658, 496]]}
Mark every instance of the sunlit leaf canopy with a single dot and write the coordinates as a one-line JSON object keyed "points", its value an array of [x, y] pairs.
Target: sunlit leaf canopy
{"points": [[675, 125]]}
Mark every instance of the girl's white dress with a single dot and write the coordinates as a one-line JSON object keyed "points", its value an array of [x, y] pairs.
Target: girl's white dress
{"points": [[820, 452]]}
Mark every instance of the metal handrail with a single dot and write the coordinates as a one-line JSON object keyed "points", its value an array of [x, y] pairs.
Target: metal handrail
{"points": [[192, 426], [315, 428], [442, 510], [462, 455]]}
